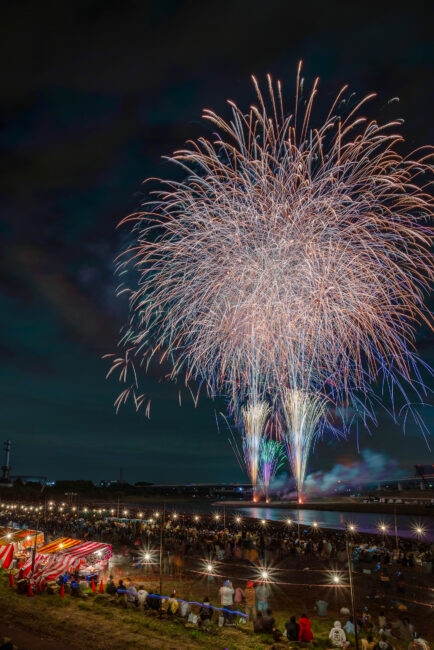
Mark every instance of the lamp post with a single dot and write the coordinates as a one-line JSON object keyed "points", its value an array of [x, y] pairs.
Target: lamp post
{"points": [[350, 573], [396, 529]]}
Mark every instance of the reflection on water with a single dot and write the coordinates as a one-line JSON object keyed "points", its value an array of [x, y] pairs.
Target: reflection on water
{"points": [[366, 522]]}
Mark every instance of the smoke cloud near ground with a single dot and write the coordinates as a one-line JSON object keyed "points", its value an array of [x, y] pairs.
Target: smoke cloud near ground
{"points": [[373, 467]]}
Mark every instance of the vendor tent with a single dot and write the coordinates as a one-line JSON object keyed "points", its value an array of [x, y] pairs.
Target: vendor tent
{"points": [[64, 555], [21, 538], [17, 540]]}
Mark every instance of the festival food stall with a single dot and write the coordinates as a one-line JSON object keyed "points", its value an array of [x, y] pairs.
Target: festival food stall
{"points": [[66, 555], [15, 542]]}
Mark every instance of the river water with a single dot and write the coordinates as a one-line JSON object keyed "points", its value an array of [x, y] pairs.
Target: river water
{"points": [[366, 522]]}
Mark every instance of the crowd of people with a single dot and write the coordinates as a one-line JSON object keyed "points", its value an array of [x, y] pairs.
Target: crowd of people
{"points": [[235, 543], [375, 632]]}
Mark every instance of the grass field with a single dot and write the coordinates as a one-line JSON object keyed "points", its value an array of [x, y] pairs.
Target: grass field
{"points": [[47, 621]]}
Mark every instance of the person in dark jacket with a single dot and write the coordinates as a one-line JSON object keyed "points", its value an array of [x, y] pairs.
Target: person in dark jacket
{"points": [[205, 613], [268, 621], [258, 623], [111, 587], [292, 629]]}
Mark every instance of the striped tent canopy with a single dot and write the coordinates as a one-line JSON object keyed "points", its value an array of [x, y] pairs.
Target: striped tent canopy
{"points": [[6, 555], [60, 545], [62, 555]]}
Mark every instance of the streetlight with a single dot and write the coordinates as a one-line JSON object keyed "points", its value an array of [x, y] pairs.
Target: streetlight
{"points": [[419, 530]]}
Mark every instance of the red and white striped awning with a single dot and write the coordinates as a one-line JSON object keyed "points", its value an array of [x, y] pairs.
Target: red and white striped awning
{"points": [[63, 555], [6, 555]]}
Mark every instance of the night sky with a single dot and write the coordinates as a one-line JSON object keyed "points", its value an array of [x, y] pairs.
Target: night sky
{"points": [[93, 94]]}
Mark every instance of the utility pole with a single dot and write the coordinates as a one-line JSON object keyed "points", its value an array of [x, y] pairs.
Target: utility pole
{"points": [[353, 605], [161, 554], [161, 548], [34, 542], [6, 468]]}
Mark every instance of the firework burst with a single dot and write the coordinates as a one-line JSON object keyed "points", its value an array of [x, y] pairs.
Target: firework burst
{"points": [[271, 460], [291, 258]]}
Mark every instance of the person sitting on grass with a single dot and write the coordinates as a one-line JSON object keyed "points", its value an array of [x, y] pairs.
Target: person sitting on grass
{"points": [[277, 634], [305, 633], [75, 589], [268, 621], [418, 643], [172, 605], [368, 643], [258, 623], [141, 597], [153, 602], [383, 644], [184, 609], [111, 587], [292, 629], [205, 613], [337, 636], [132, 598]]}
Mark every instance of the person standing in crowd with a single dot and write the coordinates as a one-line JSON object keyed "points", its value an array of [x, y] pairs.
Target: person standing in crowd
{"points": [[227, 600], [250, 596], [262, 595]]}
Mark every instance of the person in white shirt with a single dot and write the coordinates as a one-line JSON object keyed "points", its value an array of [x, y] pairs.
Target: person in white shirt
{"points": [[141, 596], [132, 597], [337, 636], [227, 599]]}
